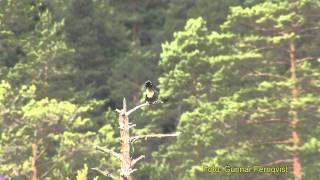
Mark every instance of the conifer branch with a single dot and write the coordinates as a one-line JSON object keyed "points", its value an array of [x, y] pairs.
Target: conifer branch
{"points": [[132, 171], [110, 151], [137, 159], [306, 59], [134, 138], [131, 126], [276, 31], [258, 73], [137, 107]]}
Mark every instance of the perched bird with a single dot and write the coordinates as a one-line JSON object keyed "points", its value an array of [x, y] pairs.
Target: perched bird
{"points": [[152, 94]]}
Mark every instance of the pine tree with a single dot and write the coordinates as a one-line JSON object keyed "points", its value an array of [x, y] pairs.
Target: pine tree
{"points": [[40, 136], [254, 100], [95, 33], [40, 51]]}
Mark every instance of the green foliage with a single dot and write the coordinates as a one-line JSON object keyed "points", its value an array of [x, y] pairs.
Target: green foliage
{"points": [[97, 43], [224, 74], [226, 86], [82, 174], [47, 123]]}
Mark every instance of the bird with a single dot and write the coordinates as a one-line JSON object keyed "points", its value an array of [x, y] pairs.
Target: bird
{"points": [[151, 94]]}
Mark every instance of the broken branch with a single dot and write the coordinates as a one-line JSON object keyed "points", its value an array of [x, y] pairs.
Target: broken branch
{"points": [[131, 126], [133, 170], [106, 150], [137, 159], [137, 107], [134, 138]]}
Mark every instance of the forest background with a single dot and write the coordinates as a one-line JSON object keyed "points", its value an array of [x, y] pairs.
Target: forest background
{"points": [[241, 79]]}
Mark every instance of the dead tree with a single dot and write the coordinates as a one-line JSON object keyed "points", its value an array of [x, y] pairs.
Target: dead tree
{"points": [[127, 163]]}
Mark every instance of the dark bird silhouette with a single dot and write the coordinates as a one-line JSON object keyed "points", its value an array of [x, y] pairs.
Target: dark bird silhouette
{"points": [[152, 94]]}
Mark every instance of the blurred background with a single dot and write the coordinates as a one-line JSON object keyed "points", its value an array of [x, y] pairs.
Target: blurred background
{"points": [[241, 79]]}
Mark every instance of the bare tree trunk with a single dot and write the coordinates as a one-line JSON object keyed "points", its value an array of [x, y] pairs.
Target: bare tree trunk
{"points": [[294, 114], [34, 161], [125, 144]]}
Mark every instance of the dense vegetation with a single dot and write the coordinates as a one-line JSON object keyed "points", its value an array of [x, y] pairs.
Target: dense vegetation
{"points": [[240, 79]]}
